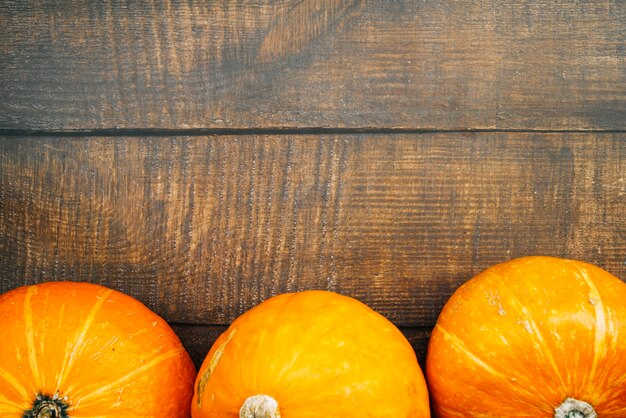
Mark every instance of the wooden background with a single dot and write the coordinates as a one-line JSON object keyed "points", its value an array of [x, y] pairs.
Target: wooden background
{"points": [[202, 156]]}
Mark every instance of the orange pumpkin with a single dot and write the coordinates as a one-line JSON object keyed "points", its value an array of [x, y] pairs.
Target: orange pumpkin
{"points": [[532, 337], [309, 355], [82, 350]]}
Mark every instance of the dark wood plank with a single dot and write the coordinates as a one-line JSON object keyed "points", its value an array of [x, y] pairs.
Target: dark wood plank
{"points": [[198, 339], [203, 228], [442, 64]]}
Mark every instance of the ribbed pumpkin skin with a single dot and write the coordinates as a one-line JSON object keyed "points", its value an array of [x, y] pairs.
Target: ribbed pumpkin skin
{"points": [[105, 353], [524, 335], [318, 354]]}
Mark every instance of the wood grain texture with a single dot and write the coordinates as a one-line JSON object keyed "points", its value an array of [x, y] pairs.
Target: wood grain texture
{"points": [[198, 339], [203, 228], [479, 64]]}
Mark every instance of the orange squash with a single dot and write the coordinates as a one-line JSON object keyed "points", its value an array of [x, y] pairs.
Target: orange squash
{"points": [[309, 355], [532, 337], [82, 350]]}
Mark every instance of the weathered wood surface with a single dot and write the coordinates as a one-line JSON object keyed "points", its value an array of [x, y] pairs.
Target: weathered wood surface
{"points": [[480, 64], [203, 228]]}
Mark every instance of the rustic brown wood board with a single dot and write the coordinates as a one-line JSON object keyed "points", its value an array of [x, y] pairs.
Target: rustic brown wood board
{"points": [[203, 156], [491, 64], [203, 228]]}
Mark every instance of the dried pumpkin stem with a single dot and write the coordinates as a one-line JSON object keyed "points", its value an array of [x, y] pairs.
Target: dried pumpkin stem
{"points": [[47, 407], [259, 406], [573, 408]]}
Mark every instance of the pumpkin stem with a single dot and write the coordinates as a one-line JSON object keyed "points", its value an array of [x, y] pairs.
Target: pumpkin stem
{"points": [[573, 408], [46, 406], [259, 406]]}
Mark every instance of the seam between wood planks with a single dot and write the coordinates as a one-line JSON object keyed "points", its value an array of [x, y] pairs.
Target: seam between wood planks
{"points": [[158, 132]]}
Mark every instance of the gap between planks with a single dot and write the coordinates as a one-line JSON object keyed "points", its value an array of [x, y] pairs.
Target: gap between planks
{"points": [[157, 132]]}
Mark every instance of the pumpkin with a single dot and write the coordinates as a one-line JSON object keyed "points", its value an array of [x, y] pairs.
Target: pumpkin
{"points": [[82, 350], [311, 354], [532, 337]]}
